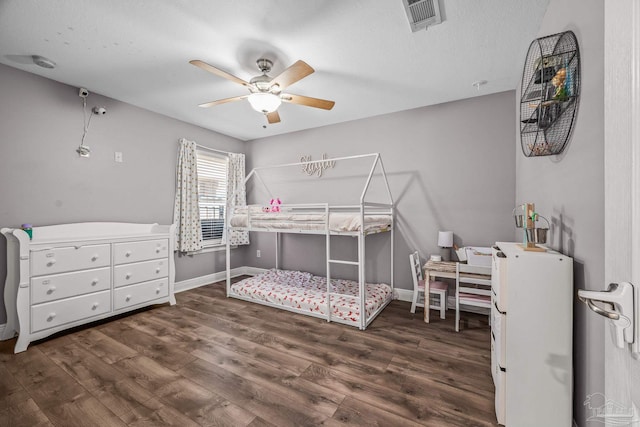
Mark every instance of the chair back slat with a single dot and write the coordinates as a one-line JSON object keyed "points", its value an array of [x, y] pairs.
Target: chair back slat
{"points": [[416, 268]]}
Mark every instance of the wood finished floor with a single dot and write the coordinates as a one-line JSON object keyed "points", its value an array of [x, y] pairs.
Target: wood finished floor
{"points": [[217, 361]]}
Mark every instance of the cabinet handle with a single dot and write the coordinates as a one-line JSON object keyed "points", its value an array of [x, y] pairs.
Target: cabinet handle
{"points": [[94, 282], [51, 317], [157, 290], [127, 298], [94, 306], [158, 250], [51, 262], [51, 290], [127, 254], [128, 276], [158, 270], [94, 258]]}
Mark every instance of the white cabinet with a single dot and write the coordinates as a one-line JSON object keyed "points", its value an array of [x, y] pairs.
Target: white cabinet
{"points": [[72, 274], [532, 336]]}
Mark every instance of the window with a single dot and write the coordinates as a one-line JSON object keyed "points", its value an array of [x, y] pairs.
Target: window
{"points": [[212, 195]]}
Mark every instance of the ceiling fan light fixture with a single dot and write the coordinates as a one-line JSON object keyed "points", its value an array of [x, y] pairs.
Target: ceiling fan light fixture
{"points": [[264, 102]]}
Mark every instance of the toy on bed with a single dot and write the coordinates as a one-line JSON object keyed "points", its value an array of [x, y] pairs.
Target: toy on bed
{"points": [[275, 206]]}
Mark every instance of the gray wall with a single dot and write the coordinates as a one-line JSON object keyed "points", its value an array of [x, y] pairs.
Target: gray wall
{"points": [[450, 167], [569, 189], [43, 181]]}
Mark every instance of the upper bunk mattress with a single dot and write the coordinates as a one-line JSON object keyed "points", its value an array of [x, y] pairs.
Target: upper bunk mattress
{"points": [[338, 221], [306, 293]]}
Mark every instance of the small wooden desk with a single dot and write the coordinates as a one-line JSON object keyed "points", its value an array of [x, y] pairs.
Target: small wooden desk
{"points": [[433, 269], [442, 269]]}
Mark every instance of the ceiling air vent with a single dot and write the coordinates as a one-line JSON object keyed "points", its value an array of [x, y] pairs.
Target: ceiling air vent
{"points": [[422, 13]]}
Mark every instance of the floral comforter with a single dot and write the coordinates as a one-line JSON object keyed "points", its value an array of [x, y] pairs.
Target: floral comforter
{"points": [[307, 293]]}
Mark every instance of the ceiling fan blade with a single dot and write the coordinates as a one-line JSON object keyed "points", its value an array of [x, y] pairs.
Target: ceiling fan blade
{"points": [[308, 101], [273, 117], [222, 101], [296, 72], [218, 72]]}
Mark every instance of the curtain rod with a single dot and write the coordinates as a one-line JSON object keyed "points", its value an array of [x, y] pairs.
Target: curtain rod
{"points": [[207, 148]]}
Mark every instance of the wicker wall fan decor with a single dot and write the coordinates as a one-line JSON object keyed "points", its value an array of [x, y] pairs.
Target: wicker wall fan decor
{"points": [[550, 92]]}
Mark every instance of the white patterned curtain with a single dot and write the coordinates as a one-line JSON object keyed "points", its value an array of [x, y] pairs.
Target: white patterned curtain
{"points": [[236, 196], [186, 213]]}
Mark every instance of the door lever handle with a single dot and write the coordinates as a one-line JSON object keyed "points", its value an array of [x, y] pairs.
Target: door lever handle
{"points": [[602, 312], [620, 297]]}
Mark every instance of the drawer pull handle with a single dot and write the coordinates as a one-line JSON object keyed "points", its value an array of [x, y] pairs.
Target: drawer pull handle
{"points": [[51, 317], [157, 270], [51, 262], [127, 254], [94, 306], [94, 258], [94, 282], [128, 298], [157, 290], [51, 290], [128, 276], [158, 250]]}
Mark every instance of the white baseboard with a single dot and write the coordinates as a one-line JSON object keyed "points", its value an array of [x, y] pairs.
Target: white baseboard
{"points": [[404, 294], [196, 282], [253, 271], [407, 295]]}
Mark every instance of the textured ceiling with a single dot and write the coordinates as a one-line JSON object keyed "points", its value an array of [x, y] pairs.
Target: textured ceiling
{"points": [[366, 58]]}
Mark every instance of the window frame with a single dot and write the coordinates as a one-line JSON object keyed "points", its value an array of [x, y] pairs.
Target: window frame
{"points": [[212, 243]]}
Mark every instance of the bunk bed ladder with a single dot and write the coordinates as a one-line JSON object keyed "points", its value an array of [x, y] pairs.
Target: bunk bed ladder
{"points": [[361, 293]]}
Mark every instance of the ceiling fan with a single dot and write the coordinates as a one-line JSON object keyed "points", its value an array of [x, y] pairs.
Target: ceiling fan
{"points": [[265, 92]]}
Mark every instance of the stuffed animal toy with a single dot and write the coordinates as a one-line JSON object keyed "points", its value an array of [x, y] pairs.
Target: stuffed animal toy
{"points": [[275, 205]]}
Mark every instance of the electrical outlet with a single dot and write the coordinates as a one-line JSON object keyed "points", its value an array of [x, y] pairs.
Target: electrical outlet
{"points": [[117, 156], [258, 253]]}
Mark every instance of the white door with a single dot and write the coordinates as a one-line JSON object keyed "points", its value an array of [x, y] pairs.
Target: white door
{"points": [[620, 403]]}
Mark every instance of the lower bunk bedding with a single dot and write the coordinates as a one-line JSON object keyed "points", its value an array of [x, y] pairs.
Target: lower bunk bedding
{"points": [[305, 293]]}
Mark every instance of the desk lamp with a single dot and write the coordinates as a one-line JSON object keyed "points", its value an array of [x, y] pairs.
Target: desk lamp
{"points": [[445, 241]]}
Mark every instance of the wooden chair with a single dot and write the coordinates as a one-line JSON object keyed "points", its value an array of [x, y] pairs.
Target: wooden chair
{"points": [[435, 288], [473, 288]]}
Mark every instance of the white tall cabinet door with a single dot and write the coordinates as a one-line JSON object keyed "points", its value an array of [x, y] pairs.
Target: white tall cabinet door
{"points": [[622, 204]]}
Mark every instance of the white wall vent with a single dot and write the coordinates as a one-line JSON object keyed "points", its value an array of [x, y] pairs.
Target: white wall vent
{"points": [[422, 13]]}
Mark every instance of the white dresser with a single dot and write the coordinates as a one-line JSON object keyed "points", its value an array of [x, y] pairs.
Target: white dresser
{"points": [[72, 274], [532, 336]]}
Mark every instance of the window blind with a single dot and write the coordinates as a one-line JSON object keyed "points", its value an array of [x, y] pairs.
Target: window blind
{"points": [[212, 194]]}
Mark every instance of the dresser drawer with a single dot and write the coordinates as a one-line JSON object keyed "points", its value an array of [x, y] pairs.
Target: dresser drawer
{"points": [[69, 258], [56, 313], [140, 251], [65, 285], [128, 274], [138, 294]]}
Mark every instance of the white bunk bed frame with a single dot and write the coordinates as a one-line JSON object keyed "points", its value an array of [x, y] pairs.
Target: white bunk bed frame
{"points": [[365, 208]]}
